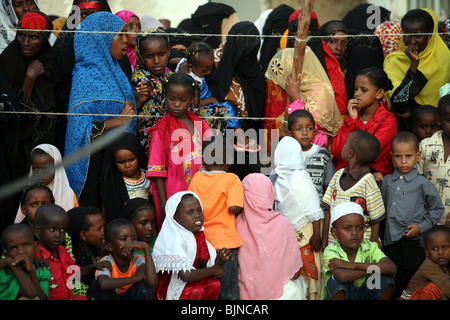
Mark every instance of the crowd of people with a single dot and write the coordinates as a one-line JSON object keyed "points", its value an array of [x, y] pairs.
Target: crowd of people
{"points": [[180, 206]]}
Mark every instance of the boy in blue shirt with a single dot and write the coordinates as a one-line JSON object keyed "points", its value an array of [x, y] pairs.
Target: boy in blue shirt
{"points": [[413, 206]]}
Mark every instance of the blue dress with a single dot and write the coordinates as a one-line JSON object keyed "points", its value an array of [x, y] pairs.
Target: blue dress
{"points": [[99, 86]]}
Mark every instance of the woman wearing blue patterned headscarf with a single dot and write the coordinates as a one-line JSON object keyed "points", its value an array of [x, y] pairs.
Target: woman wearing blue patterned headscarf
{"points": [[99, 86]]}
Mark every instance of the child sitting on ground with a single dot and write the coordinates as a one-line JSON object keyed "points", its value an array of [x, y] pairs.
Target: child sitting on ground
{"points": [[51, 224], [356, 183], [188, 266], [142, 215], [34, 196], [432, 280], [222, 198], [85, 229], [20, 279], [349, 260], [131, 277], [413, 206]]}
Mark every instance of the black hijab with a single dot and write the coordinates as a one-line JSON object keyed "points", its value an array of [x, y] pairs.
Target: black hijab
{"points": [[207, 19], [364, 49], [239, 59], [113, 189], [275, 25]]}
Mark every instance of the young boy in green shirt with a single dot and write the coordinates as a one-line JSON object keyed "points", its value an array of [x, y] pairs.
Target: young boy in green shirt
{"points": [[349, 262], [19, 278]]}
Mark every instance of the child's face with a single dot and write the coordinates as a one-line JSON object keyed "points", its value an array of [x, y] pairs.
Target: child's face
{"points": [[35, 199], [127, 163], [133, 25], [19, 243], [145, 224], [426, 125], [365, 92], [119, 45], [303, 130], [179, 99], [155, 54], [405, 156], [94, 236], [40, 162], [349, 230], [52, 230], [444, 121], [190, 214], [438, 248], [203, 66], [121, 236]]}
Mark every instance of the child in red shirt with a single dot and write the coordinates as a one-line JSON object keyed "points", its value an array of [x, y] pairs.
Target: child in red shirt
{"points": [[51, 223]]}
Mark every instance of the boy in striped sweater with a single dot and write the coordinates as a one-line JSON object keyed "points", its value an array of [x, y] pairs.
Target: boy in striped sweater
{"points": [[357, 184]]}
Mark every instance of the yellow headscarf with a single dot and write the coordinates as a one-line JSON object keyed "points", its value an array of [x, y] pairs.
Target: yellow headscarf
{"points": [[434, 64]]}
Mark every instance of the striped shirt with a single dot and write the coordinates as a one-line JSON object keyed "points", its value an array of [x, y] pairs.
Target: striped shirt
{"points": [[365, 192]]}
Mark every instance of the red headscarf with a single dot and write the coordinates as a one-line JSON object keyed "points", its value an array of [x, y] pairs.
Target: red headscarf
{"points": [[35, 20]]}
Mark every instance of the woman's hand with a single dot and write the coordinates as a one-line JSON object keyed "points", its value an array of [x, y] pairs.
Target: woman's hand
{"points": [[412, 51], [34, 70], [128, 109], [292, 87]]}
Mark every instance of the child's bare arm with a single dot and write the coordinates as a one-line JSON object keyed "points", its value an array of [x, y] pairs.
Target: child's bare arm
{"points": [[162, 195], [223, 255], [198, 274], [326, 228], [107, 283], [29, 287], [345, 271], [235, 209]]}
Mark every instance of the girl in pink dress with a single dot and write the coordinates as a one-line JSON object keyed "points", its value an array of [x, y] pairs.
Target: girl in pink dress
{"points": [[175, 143]]}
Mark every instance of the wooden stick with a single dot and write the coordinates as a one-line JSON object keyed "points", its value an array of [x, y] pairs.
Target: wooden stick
{"points": [[304, 19]]}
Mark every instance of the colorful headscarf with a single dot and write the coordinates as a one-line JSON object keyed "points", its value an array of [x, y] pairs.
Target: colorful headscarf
{"points": [[99, 86], [446, 30], [316, 90], [389, 33], [434, 64], [126, 15]]}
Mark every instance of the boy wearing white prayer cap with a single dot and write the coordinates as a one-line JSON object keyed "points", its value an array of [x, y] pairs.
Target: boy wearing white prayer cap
{"points": [[355, 268]]}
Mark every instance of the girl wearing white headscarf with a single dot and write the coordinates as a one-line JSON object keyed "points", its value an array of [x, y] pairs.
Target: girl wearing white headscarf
{"points": [[62, 192], [297, 199], [178, 249]]}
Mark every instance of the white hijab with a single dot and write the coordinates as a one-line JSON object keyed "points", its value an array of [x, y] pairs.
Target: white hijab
{"points": [[175, 248], [62, 192], [296, 197]]}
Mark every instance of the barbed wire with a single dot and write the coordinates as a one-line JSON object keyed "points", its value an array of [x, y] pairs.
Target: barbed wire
{"points": [[358, 35]]}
